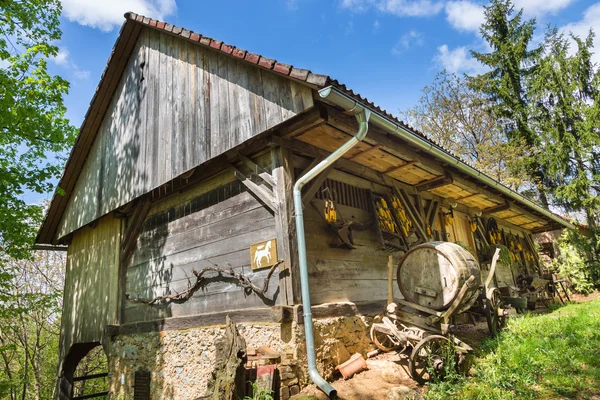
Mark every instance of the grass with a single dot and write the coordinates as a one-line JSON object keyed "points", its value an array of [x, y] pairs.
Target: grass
{"points": [[549, 356]]}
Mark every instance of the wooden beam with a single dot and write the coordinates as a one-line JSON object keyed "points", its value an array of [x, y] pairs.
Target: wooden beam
{"points": [[305, 122], [258, 170], [412, 213], [398, 148], [436, 182], [263, 194], [433, 212], [133, 229], [467, 197], [498, 208], [367, 151], [343, 164], [396, 169], [315, 184], [312, 164]]}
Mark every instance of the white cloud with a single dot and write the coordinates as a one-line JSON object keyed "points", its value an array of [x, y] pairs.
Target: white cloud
{"points": [[63, 59], [410, 8], [376, 25], [537, 8], [458, 60], [591, 20], [403, 8], [108, 14], [464, 15], [410, 39]]}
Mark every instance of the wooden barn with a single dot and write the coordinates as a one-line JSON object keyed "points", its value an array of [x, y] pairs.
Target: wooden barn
{"points": [[177, 206]]}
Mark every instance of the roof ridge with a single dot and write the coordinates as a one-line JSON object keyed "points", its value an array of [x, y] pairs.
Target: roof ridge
{"points": [[299, 74]]}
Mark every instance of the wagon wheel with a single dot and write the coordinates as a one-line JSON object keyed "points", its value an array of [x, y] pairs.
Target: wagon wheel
{"points": [[383, 341], [493, 304], [428, 359]]}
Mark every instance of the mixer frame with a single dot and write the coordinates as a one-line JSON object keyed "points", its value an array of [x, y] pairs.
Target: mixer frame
{"points": [[406, 325]]}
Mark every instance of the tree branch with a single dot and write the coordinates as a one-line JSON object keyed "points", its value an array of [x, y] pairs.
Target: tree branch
{"points": [[181, 297]]}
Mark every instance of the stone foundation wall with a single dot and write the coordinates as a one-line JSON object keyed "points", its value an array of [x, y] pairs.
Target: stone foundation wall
{"points": [[181, 362]]}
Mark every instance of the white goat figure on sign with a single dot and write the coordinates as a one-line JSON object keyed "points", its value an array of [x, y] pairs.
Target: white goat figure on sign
{"points": [[262, 251]]}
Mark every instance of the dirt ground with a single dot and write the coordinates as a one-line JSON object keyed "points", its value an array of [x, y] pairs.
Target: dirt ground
{"points": [[385, 371], [390, 370]]}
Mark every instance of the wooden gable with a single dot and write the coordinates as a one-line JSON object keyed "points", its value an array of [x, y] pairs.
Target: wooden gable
{"points": [[176, 106]]}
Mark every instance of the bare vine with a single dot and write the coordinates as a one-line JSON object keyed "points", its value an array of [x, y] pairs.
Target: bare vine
{"points": [[243, 281]]}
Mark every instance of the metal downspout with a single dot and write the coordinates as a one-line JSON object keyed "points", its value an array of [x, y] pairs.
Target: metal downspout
{"points": [[362, 117]]}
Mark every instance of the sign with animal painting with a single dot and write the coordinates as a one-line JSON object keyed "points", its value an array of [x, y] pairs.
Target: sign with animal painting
{"points": [[263, 255]]}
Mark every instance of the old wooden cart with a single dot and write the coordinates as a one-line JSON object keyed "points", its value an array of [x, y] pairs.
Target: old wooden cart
{"points": [[438, 280]]}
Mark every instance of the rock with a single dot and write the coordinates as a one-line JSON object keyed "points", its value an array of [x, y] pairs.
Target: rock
{"points": [[402, 393]]}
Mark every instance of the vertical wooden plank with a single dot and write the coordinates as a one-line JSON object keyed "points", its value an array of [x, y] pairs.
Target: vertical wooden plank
{"points": [[235, 111], [248, 129], [143, 83], [177, 143], [213, 79], [150, 80], [225, 135], [286, 98], [192, 107], [166, 107], [271, 99], [256, 102], [201, 125], [297, 100]]}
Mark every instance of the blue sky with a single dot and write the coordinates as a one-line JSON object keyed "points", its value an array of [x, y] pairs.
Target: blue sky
{"points": [[387, 50]]}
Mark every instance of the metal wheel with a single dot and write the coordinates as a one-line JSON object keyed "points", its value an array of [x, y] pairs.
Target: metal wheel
{"points": [[428, 358], [383, 341], [493, 306]]}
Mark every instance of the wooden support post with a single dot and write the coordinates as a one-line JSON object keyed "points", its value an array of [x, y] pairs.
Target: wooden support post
{"points": [[283, 172], [126, 248]]}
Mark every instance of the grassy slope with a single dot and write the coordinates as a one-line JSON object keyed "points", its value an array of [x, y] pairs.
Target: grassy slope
{"points": [[549, 356]]}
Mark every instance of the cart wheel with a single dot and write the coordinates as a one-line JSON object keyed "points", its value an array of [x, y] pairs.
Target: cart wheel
{"points": [[494, 303], [428, 359], [382, 341]]}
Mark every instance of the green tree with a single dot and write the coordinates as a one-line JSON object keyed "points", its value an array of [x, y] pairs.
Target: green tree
{"points": [[458, 118], [512, 63], [30, 328], [566, 94], [34, 130]]}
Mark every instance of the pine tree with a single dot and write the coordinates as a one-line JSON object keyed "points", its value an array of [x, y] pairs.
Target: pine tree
{"points": [[511, 63], [566, 94]]}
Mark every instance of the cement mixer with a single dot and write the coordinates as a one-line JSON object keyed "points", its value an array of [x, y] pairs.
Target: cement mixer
{"points": [[438, 280]]}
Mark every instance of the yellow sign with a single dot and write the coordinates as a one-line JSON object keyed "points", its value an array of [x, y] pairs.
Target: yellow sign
{"points": [[264, 254]]}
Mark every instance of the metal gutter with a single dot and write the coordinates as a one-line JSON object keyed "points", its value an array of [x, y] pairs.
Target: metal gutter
{"points": [[362, 116], [338, 98]]}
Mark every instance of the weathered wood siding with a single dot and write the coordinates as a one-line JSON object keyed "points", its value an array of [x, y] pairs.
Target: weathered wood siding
{"points": [[214, 223], [339, 274], [177, 106], [91, 283]]}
